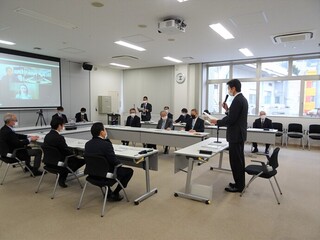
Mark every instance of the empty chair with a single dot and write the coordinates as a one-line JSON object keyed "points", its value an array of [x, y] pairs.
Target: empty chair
{"points": [[52, 164], [295, 131], [279, 127], [12, 160], [313, 133], [265, 170], [97, 168]]}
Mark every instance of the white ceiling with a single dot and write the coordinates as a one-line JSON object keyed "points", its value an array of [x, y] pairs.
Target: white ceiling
{"points": [[252, 22]]}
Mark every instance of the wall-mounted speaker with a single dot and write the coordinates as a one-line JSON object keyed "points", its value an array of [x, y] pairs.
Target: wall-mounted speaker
{"points": [[87, 66]]}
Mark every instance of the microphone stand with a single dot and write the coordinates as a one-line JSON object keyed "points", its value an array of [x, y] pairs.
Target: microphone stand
{"points": [[217, 141]]}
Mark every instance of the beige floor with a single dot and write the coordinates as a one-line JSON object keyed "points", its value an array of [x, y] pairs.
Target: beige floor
{"points": [[256, 215]]}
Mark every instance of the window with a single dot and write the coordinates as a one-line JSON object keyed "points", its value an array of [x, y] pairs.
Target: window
{"points": [[218, 72], [274, 69], [213, 98], [311, 103], [245, 70], [306, 67], [280, 97]]}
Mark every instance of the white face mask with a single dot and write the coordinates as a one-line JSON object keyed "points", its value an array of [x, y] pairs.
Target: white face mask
{"points": [[184, 114], [82, 113], [145, 101], [167, 110], [164, 118], [230, 93], [263, 117], [132, 114], [16, 124]]}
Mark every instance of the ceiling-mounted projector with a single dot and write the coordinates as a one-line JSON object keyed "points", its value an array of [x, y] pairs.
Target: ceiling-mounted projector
{"points": [[171, 26]]}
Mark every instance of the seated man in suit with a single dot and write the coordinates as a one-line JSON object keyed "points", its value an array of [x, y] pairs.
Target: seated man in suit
{"points": [[164, 123], [183, 118], [11, 140], [170, 115], [262, 122], [195, 124], [133, 121], [100, 145], [82, 116], [60, 114], [54, 139]]}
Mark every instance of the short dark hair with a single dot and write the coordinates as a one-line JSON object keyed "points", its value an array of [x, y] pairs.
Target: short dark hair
{"points": [[194, 110], [83, 110], [132, 109], [60, 108], [184, 110], [206, 111], [56, 121], [235, 83], [96, 129], [166, 107], [145, 97]]}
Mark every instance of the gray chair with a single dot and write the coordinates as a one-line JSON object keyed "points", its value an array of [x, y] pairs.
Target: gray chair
{"points": [[97, 169], [265, 170], [13, 160], [313, 133], [295, 131], [52, 164]]}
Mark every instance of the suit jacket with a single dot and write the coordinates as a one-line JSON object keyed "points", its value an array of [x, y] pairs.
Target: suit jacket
{"points": [[147, 115], [78, 117], [236, 120], [169, 124], [102, 147], [170, 115], [198, 125], [9, 140], [182, 119], [135, 122], [63, 116], [266, 124], [54, 139]]}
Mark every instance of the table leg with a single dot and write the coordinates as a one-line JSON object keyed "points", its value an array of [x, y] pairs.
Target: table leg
{"points": [[220, 164]]}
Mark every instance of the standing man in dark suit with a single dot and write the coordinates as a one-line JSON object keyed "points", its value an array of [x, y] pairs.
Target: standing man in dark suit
{"points": [[146, 109], [100, 145], [170, 115], [54, 139], [82, 116], [133, 121], [183, 118], [236, 122], [195, 124], [60, 114], [265, 123], [9, 140]]}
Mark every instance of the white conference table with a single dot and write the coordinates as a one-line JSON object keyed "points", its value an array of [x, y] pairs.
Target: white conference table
{"points": [[127, 155], [170, 138], [186, 157]]}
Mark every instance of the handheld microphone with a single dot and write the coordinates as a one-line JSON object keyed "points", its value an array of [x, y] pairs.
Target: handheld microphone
{"points": [[226, 98]]}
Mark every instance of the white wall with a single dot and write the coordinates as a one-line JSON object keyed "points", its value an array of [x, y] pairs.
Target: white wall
{"points": [[105, 82]]}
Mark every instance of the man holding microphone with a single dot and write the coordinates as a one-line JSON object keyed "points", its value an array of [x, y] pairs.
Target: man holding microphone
{"points": [[236, 123]]}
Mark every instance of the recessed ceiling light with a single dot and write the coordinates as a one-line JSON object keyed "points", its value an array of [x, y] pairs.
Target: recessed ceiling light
{"points": [[171, 39], [119, 65], [246, 52], [97, 4], [7, 42], [221, 30], [172, 59], [142, 26], [129, 45]]}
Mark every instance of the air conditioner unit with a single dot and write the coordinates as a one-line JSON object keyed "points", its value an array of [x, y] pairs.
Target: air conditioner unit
{"points": [[171, 26], [292, 37]]}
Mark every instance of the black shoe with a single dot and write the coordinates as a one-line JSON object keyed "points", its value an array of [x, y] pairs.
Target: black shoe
{"points": [[36, 173], [255, 150], [115, 197], [233, 189], [232, 185], [266, 152], [62, 184]]}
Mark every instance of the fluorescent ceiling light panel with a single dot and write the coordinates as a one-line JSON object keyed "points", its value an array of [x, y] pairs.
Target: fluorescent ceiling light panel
{"points": [[246, 52], [129, 45], [172, 59], [182, 1], [119, 65], [7, 42], [221, 30], [45, 18]]}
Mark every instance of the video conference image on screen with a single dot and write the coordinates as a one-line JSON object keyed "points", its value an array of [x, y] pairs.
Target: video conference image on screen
{"points": [[28, 82]]}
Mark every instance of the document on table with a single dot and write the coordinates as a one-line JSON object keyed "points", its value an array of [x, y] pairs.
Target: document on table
{"points": [[210, 116]]}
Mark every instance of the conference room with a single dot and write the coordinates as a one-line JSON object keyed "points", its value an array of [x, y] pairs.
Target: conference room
{"points": [[116, 62]]}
